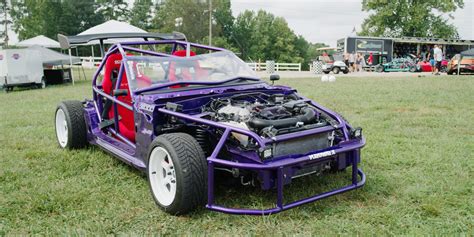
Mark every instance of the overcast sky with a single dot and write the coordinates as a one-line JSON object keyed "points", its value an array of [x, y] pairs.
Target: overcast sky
{"points": [[329, 20]]}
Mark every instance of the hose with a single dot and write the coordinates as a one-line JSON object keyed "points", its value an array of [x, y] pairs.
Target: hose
{"points": [[308, 114]]}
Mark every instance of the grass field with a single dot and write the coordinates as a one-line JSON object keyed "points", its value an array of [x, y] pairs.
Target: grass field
{"points": [[418, 160]]}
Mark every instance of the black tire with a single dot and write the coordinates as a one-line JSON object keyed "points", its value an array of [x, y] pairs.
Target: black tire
{"points": [[190, 167], [345, 71], [76, 125], [379, 69], [450, 72], [326, 72], [336, 70], [42, 84]]}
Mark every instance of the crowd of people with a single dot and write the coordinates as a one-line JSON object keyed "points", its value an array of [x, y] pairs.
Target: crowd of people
{"points": [[356, 61], [434, 56]]}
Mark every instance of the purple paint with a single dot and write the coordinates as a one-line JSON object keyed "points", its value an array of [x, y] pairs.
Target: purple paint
{"points": [[274, 172]]}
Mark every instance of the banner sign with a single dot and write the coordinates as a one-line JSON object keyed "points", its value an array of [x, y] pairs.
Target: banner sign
{"points": [[368, 45]]}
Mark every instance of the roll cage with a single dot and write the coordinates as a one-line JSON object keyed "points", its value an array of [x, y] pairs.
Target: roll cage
{"points": [[125, 49], [349, 148]]}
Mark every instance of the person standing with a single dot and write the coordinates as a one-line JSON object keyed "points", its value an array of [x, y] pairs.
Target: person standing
{"points": [[351, 61], [438, 56], [370, 60], [431, 59], [346, 59]]}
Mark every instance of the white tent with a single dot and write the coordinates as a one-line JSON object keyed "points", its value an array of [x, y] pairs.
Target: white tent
{"points": [[39, 40], [112, 26], [53, 58]]}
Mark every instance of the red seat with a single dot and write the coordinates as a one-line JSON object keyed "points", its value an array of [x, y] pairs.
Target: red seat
{"points": [[126, 122], [172, 71]]}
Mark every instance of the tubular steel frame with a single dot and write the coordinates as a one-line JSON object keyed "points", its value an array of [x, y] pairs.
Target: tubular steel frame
{"points": [[348, 146]]}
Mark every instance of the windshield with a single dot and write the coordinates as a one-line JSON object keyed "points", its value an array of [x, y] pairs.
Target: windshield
{"points": [[146, 71]]}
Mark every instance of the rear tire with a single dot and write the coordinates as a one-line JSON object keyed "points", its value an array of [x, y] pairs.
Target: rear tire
{"points": [[177, 173], [336, 70], [70, 125], [379, 69], [326, 72]]}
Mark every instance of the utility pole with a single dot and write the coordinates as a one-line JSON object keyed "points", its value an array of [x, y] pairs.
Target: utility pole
{"points": [[210, 22]]}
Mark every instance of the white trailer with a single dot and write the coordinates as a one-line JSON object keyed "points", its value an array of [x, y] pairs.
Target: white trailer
{"points": [[21, 67]]}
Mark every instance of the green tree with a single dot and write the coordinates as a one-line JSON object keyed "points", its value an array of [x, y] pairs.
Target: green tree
{"points": [[113, 9], [243, 29], [142, 14], [410, 18], [50, 17], [193, 14], [262, 36], [78, 16], [4, 22]]}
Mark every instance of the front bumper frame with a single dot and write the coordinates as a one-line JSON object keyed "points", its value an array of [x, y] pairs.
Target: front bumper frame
{"points": [[349, 146], [279, 166]]}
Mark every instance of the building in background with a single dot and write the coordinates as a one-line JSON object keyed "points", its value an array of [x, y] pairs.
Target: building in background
{"points": [[386, 49]]}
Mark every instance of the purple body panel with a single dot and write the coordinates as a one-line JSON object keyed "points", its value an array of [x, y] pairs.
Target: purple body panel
{"points": [[275, 172]]}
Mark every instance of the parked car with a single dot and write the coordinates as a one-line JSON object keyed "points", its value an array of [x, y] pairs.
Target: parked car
{"points": [[397, 65], [424, 66], [182, 117], [466, 66]]}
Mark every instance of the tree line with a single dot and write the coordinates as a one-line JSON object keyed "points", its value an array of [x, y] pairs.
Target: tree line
{"points": [[254, 36]]}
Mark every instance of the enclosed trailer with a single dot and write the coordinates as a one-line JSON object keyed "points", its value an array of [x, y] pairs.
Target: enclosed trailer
{"points": [[21, 67]]}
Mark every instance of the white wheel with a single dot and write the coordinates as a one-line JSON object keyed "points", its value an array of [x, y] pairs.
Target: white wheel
{"points": [[70, 125], [177, 173], [162, 176], [61, 128]]}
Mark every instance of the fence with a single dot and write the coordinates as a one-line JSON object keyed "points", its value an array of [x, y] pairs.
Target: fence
{"points": [[278, 66], [92, 62]]}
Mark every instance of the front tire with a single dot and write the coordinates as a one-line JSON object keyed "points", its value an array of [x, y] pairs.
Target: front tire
{"points": [[70, 125], [177, 173], [336, 70]]}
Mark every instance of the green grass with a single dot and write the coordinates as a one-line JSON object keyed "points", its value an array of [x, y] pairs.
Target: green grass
{"points": [[418, 160]]}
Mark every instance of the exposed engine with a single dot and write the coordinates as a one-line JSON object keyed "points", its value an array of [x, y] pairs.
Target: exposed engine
{"points": [[267, 115]]}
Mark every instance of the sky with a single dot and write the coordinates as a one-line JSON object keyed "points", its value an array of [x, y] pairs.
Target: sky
{"points": [[327, 21]]}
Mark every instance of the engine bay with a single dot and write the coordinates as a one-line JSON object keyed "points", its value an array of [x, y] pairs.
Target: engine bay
{"points": [[268, 115]]}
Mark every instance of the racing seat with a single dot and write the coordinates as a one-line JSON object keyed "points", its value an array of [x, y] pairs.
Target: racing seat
{"points": [[126, 120], [186, 73]]}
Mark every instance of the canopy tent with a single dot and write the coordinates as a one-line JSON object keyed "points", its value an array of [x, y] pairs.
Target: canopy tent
{"points": [[40, 40], [52, 58], [110, 27], [107, 27], [469, 52]]}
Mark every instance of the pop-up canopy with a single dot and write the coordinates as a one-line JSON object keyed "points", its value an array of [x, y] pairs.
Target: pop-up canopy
{"points": [[39, 40], [52, 58], [469, 52]]}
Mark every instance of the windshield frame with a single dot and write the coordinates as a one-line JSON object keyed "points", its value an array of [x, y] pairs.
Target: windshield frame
{"points": [[251, 76]]}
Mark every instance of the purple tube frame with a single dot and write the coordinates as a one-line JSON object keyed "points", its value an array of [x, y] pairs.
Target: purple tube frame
{"points": [[351, 146]]}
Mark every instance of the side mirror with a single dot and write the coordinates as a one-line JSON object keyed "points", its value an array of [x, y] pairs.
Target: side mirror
{"points": [[120, 92], [274, 78]]}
